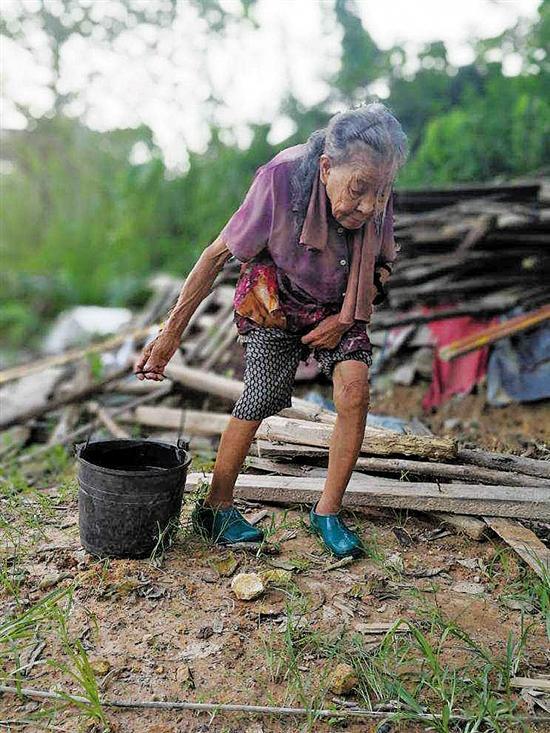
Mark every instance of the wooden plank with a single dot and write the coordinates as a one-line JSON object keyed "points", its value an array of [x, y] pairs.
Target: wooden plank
{"points": [[383, 442], [195, 422], [531, 683], [472, 499], [376, 441], [281, 469], [474, 528], [504, 462], [433, 470], [265, 448], [470, 526], [485, 306], [524, 542], [495, 333]]}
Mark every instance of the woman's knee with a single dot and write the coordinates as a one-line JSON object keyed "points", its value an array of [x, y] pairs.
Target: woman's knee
{"points": [[351, 393]]}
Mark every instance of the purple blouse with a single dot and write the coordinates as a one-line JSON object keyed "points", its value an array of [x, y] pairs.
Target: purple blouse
{"points": [[283, 283]]}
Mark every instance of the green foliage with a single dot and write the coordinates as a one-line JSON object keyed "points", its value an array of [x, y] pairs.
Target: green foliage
{"points": [[503, 132], [362, 61], [82, 224]]}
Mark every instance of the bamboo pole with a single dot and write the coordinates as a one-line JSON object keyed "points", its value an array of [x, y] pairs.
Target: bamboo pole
{"points": [[239, 708], [494, 333]]}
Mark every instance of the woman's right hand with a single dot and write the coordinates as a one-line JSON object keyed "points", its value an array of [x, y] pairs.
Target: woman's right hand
{"points": [[156, 355]]}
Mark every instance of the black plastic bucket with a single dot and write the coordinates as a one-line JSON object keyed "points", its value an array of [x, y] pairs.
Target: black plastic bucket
{"points": [[130, 494]]}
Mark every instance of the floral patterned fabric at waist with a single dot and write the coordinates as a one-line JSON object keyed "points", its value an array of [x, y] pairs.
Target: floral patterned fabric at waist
{"points": [[266, 298]]}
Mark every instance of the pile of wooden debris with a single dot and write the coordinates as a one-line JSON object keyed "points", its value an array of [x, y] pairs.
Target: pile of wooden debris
{"points": [[451, 241]]}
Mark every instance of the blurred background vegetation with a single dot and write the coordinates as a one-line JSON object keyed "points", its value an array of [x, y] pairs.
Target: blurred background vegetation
{"points": [[84, 222]]}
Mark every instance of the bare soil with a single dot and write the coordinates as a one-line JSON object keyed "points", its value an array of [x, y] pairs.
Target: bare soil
{"points": [[173, 630]]}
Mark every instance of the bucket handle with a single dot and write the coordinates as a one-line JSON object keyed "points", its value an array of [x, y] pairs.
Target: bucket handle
{"points": [[182, 441]]}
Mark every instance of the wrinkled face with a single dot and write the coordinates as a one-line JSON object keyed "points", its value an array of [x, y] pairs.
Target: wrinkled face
{"points": [[358, 189]]}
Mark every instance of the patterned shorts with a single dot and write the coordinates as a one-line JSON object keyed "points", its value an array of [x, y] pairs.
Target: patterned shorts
{"points": [[272, 356]]}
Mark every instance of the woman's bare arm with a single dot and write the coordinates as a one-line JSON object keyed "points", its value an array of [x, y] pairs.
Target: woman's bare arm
{"points": [[156, 355], [197, 285]]}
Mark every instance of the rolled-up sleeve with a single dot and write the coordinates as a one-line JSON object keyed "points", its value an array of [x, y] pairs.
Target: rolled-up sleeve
{"points": [[249, 229]]}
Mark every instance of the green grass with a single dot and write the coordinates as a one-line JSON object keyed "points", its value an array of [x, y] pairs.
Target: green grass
{"points": [[18, 628], [433, 669], [79, 670], [521, 584], [19, 632]]}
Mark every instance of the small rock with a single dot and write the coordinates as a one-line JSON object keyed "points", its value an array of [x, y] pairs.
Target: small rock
{"points": [[99, 665], [342, 679], [247, 586], [473, 589], [225, 566], [276, 576], [49, 581], [184, 676], [470, 563], [205, 632], [159, 669]]}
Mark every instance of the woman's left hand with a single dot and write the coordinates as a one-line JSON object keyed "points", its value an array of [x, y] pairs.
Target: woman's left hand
{"points": [[326, 334], [383, 274]]}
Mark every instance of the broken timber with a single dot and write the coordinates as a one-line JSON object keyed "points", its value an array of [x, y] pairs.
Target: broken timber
{"points": [[525, 542], [472, 527], [362, 490], [437, 471], [378, 442], [505, 462], [495, 333]]}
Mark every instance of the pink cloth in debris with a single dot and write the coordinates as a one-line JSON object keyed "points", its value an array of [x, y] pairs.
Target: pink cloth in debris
{"points": [[458, 376]]}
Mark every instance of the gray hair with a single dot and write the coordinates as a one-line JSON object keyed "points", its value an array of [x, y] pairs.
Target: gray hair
{"points": [[371, 124]]}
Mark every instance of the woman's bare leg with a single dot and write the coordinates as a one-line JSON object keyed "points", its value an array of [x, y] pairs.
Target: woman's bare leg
{"points": [[351, 399], [234, 444]]}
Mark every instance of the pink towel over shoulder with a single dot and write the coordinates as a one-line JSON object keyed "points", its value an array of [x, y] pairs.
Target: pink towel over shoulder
{"points": [[367, 248]]}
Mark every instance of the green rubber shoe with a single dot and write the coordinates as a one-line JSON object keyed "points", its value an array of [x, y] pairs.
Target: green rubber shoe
{"points": [[223, 526], [338, 538]]}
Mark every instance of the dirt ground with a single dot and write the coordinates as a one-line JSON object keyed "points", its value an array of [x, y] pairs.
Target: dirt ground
{"points": [[170, 628], [521, 429]]}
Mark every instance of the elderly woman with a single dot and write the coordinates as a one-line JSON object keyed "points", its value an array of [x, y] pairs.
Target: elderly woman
{"points": [[315, 236]]}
